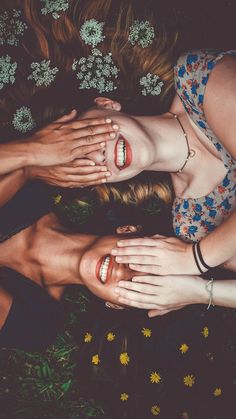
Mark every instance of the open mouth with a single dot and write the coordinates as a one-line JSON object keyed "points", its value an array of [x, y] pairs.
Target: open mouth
{"points": [[103, 269], [123, 155]]}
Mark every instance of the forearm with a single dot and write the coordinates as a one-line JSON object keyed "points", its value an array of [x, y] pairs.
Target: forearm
{"points": [[5, 305], [10, 184], [224, 293], [15, 155], [220, 245]]}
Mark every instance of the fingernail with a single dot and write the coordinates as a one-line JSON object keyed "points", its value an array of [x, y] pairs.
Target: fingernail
{"points": [[103, 169], [114, 126], [103, 181], [108, 120], [112, 134], [118, 259], [114, 252], [119, 244], [108, 174], [92, 163], [102, 145]]}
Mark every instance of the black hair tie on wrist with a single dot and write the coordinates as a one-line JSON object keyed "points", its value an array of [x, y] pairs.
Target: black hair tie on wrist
{"points": [[199, 253], [196, 259]]}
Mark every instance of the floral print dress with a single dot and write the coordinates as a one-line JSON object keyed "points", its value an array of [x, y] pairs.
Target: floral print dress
{"points": [[193, 218]]}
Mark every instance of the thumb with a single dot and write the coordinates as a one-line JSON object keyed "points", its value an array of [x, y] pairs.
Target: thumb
{"points": [[153, 313], [67, 118]]}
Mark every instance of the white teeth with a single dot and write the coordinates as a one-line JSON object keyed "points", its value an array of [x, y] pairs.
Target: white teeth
{"points": [[120, 153], [104, 268]]}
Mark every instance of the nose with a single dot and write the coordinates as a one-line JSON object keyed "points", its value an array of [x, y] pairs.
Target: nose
{"points": [[98, 156]]}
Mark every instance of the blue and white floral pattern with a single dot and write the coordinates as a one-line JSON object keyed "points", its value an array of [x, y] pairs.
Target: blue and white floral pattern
{"points": [[23, 120], [43, 74], [11, 27], [92, 32], [7, 71], [193, 218], [53, 7], [97, 71]]}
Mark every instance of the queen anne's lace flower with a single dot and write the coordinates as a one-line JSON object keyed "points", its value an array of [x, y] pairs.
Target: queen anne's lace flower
{"points": [[96, 72], [54, 6], [141, 33], [91, 32], [7, 71], [23, 120], [152, 84], [43, 75], [11, 27]]}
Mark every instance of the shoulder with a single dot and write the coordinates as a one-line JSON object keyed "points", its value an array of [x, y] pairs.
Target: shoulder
{"points": [[220, 102]]}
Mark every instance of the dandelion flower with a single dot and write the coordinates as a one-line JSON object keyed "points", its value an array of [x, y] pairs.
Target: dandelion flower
{"points": [[124, 397], [189, 380], [146, 332], [124, 358], [111, 336], [217, 392], [184, 348], [95, 359], [88, 337], [155, 377], [205, 332], [155, 410]]}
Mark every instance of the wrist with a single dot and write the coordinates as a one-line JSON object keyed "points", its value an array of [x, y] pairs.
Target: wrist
{"points": [[202, 295]]}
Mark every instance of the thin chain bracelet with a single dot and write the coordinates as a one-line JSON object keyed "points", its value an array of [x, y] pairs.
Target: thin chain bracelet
{"points": [[209, 289]]}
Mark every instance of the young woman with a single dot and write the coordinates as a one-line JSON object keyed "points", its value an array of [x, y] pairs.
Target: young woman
{"points": [[194, 142]]}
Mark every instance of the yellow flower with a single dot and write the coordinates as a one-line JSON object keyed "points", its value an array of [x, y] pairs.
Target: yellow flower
{"points": [[155, 410], [205, 332], [110, 336], [155, 377], [184, 348], [124, 397], [88, 337], [217, 392], [189, 380], [57, 199], [124, 358], [95, 359], [146, 332]]}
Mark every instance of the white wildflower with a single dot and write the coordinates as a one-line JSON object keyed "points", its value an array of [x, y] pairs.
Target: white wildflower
{"points": [[43, 75], [141, 33], [152, 84], [23, 120], [7, 71], [11, 27], [54, 6], [91, 32]]}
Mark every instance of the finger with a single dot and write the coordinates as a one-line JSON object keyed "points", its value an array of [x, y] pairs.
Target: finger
{"points": [[92, 124], [144, 241], [140, 260], [150, 279], [139, 287], [89, 139], [66, 118], [86, 170], [136, 304], [81, 151], [136, 296], [158, 312], [159, 236], [147, 269], [134, 250], [81, 162], [87, 178]]}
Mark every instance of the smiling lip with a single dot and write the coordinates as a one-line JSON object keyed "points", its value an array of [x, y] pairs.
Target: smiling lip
{"points": [[122, 153], [104, 268]]}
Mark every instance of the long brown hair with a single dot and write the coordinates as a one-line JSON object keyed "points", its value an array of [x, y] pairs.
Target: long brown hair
{"points": [[59, 40]]}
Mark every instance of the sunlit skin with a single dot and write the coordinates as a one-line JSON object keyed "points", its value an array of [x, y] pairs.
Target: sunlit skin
{"points": [[53, 258]]}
